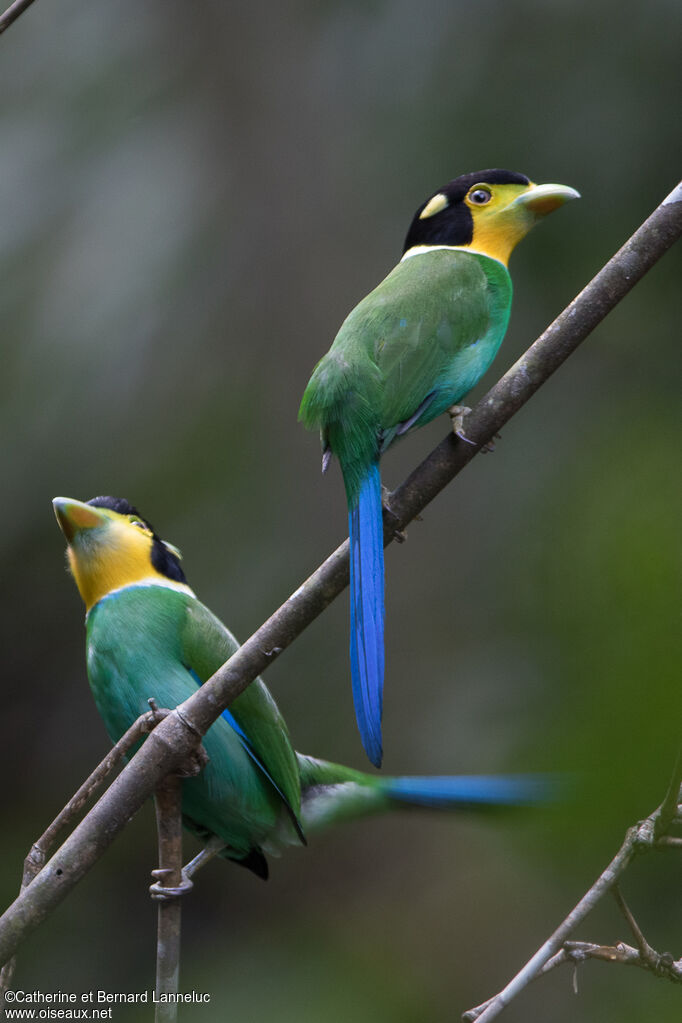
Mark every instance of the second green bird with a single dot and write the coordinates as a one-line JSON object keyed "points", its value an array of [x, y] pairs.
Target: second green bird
{"points": [[410, 351], [149, 636]]}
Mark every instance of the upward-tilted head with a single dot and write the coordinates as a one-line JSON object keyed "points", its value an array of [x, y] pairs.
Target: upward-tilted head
{"points": [[110, 545], [488, 211]]}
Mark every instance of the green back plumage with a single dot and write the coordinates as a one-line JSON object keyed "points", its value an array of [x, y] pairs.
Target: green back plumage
{"points": [[148, 636], [155, 641], [431, 328]]}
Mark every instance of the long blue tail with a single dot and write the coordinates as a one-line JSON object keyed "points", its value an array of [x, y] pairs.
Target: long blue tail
{"points": [[469, 790], [331, 793], [366, 530]]}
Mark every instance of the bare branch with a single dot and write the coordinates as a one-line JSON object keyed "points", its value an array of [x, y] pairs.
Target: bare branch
{"points": [[494, 1006], [171, 881], [168, 799], [39, 851], [662, 965], [670, 804], [645, 950], [576, 952], [179, 733], [640, 837], [13, 12], [668, 842]]}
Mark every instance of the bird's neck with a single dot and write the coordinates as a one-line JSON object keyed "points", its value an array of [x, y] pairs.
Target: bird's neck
{"points": [[98, 594], [420, 250]]}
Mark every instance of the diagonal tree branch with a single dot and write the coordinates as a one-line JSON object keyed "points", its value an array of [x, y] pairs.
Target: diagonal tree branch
{"points": [[177, 735], [641, 837], [13, 12], [579, 951], [41, 848]]}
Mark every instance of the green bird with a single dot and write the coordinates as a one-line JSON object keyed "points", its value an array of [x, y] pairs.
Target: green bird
{"points": [[409, 351], [149, 636]]}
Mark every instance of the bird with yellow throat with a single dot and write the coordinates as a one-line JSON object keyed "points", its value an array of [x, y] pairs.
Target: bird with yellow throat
{"points": [[408, 352]]}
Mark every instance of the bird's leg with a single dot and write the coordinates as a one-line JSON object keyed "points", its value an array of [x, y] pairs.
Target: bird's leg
{"points": [[213, 847], [158, 890], [400, 535]]}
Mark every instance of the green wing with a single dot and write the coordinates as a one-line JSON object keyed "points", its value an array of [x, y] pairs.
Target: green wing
{"points": [[205, 644], [432, 326], [428, 310]]}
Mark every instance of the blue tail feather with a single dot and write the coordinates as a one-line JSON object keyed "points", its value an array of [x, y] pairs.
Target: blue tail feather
{"points": [[366, 530], [470, 790]]}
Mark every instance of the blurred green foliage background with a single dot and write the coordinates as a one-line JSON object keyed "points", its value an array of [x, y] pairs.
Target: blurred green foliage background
{"points": [[193, 196]]}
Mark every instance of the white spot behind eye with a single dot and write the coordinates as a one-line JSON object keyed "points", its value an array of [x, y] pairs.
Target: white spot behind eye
{"points": [[434, 205]]}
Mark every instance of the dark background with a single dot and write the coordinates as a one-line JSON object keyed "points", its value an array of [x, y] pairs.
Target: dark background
{"points": [[192, 197]]}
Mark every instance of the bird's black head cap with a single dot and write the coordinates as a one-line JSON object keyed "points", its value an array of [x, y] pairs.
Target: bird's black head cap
{"points": [[453, 223]]}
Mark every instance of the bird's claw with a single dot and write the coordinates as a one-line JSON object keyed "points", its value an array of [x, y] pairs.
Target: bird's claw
{"points": [[399, 535], [161, 893], [457, 414], [489, 446]]}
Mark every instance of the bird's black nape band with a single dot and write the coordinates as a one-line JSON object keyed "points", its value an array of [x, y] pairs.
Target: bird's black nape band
{"points": [[454, 225], [165, 562]]}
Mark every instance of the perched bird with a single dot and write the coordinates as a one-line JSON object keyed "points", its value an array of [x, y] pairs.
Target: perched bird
{"points": [[409, 351], [149, 636]]}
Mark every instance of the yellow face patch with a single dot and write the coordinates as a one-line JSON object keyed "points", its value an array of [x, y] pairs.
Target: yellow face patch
{"points": [[499, 222], [113, 555], [107, 550]]}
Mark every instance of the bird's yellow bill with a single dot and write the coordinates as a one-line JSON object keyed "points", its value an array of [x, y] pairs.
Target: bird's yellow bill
{"points": [[542, 199], [73, 515]]}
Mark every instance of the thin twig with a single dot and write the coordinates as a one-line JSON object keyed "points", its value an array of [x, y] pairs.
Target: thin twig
{"points": [[638, 838], [40, 849], [668, 842], [182, 729], [171, 881], [670, 804], [493, 1006], [645, 950], [38, 855], [579, 951], [168, 799], [13, 12]]}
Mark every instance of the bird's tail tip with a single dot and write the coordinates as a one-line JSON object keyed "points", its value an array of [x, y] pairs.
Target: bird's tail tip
{"points": [[475, 790]]}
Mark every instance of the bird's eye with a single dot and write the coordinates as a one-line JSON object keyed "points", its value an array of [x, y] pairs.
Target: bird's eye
{"points": [[480, 196], [139, 524]]}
